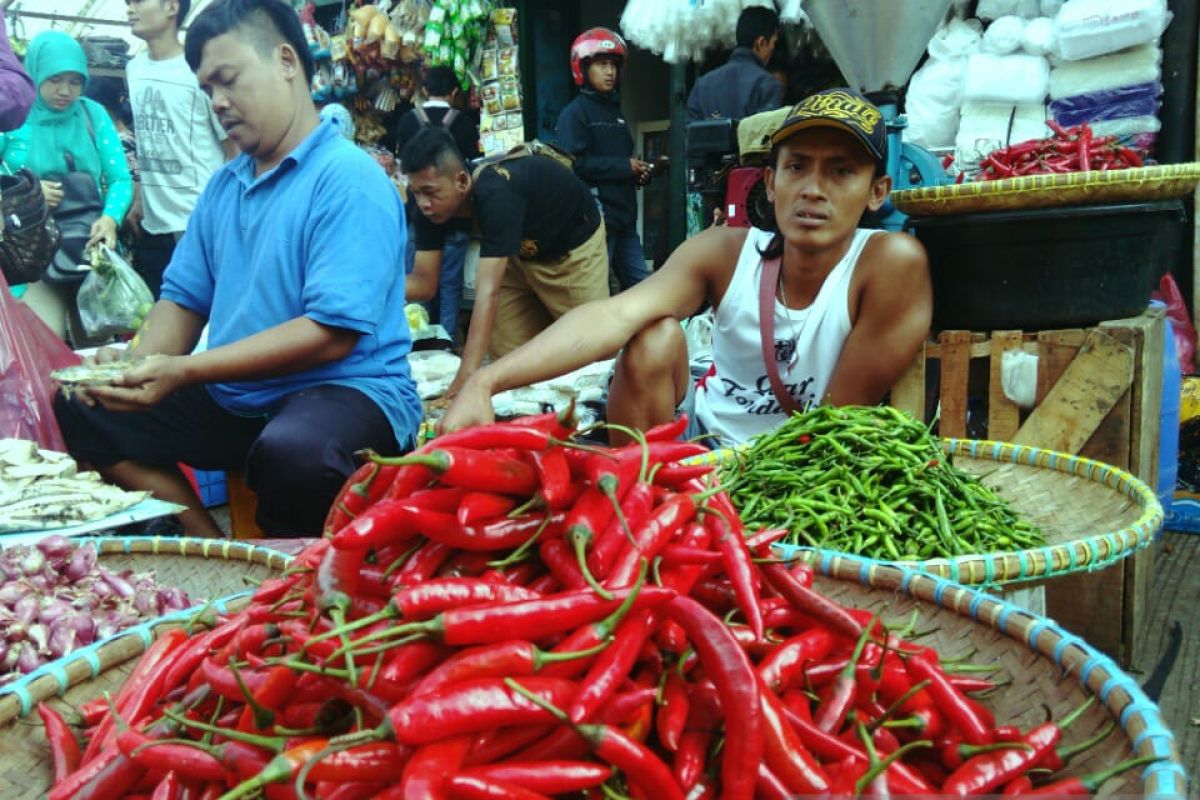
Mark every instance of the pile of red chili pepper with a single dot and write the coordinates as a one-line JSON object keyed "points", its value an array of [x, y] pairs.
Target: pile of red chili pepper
{"points": [[508, 613], [1074, 149]]}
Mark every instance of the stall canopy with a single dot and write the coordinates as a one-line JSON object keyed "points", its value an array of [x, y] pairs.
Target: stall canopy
{"points": [[27, 18]]}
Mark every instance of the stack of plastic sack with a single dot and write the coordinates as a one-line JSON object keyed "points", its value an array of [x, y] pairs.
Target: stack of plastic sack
{"points": [[935, 93], [1005, 84], [1111, 67]]}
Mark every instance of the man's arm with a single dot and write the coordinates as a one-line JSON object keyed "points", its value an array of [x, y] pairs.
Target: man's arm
{"points": [[488, 276], [170, 330], [894, 314], [293, 346], [422, 283], [572, 134], [599, 329], [765, 95]]}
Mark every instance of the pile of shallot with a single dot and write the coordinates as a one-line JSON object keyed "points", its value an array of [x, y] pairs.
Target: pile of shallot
{"points": [[55, 597]]}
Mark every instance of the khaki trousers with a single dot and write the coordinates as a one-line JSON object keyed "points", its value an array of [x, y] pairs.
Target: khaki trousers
{"points": [[535, 293]]}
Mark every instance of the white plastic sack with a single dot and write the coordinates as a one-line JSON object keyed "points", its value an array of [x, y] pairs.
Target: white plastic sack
{"points": [[958, 39], [1127, 68], [1088, 28], [995, 9], [1038, 38], [1126, 126], [984, 127], [1004, 36], [1050, 8], [1015, 79], [1018, 377], [933, 101]]}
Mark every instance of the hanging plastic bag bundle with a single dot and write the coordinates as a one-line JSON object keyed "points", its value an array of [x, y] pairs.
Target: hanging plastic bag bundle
{"points": [[113, 300], [28, 352]]}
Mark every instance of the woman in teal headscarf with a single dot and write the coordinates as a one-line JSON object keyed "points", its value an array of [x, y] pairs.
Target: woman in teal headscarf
{"points": [[63, 123]]}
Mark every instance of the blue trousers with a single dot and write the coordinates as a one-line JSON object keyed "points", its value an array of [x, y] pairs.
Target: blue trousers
{"points": [[445, 305], [625, 257]]}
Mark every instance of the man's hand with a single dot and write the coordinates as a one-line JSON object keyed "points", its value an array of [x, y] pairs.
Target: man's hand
{"points": [[641, 170], [104, 231], [54, 194], [472, 405], [144, 385]]}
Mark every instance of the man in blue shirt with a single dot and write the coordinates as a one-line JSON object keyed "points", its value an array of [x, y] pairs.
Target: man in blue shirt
{"points": [[293, 256]]}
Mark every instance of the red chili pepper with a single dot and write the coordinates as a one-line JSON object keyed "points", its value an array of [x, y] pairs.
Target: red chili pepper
{"points": [[169, 788], [64, 748], [704, 718], [786, 662], [485, 470], [668, 431], [785, 754], [612, 666], [554, 475], [476, 507], [952, 704], [94, 710], [651, 537], [548, 777], [279, 769], [470, 787], [426, 599], [989, 771], [370, 762], [1085, 151], [159, 758], [673, 714], [675, 475], [730, 538], [677, 554], [563, 565], [501, 534], [730, 670], [515, 657], [636, 498], [1088, 784], [809, 602], [1131, 157], [423, 564], [388, 522], [498, 435], [843, 692], [472, 706], [426, 772]]}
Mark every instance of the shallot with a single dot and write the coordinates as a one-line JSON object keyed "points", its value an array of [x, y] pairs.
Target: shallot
{"points": [[55, 597]]}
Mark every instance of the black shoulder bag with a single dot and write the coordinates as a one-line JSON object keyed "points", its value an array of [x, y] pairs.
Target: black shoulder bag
{"points": [[81, 206], [29, 236]]}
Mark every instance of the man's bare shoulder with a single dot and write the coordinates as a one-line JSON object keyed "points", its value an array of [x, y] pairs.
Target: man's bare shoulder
{"points": [[895, 254]]}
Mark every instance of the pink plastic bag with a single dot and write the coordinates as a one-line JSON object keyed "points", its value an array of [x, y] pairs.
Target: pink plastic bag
{"points": [[28, 352], [1181, 324]]}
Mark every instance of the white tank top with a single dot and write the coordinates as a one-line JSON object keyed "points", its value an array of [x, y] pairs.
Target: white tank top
{"points": [[736, 401]]}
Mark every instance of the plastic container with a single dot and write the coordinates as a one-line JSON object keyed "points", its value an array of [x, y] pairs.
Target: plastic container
{"points": [[209, 485], [1046, 268], [1168, 443]]}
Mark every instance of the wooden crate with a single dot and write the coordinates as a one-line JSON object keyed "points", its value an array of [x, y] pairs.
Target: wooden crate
{"points": [[1099, 392]]}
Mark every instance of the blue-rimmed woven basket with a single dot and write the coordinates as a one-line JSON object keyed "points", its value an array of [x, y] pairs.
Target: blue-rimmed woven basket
{"points": [[213, 570], [1051, 671], [1092, 514]]}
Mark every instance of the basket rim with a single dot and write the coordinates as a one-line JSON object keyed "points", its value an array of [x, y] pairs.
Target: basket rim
{"points": [[1138, 716], [1092, 552], [1064, 188], [54, 677]]}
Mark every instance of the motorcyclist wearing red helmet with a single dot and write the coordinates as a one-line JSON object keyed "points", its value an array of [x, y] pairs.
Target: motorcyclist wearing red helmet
{"points": [[592, 128]]}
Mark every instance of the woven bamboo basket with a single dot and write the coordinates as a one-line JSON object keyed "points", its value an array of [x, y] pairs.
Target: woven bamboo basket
{"points": [[1052, 671], [213, 570], [1092, 514], [1142, 184], [1049, 669]]}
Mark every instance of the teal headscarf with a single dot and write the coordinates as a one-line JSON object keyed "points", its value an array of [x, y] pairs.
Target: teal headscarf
{"points": [[48, 134]]}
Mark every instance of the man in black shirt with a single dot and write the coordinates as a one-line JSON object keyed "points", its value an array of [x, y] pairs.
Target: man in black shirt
{"points": [[439, 110], [741, 86], [542, 251]]}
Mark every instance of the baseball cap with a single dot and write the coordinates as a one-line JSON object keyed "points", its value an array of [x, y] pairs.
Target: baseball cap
{"points": [[844, 109]]}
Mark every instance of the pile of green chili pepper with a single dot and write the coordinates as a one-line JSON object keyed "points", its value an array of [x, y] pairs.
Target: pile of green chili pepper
{"points": [[873, 481], [506, 613]]}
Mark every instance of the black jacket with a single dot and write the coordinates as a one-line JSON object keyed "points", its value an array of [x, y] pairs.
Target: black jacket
{"points": [[592, 129], [737, 89]]}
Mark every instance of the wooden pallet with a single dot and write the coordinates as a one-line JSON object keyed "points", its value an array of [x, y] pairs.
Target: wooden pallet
{"points": [[1099, 392]]}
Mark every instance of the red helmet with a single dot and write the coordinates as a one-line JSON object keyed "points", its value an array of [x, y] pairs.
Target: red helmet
{"points": [[593, 43]]}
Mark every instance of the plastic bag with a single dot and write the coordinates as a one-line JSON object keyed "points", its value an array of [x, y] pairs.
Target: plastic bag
{"points": [[1126, 101], [113, 299], [29, 351], [1182, 330], [957, 39], [1087, 28], [995, 9], [933, 102], [1038, 38], [1016, 79], [1004, 35], [1130, 68]]}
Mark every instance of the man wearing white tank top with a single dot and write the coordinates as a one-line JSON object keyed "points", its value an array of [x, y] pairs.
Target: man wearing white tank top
{"points": [[851, 306]]}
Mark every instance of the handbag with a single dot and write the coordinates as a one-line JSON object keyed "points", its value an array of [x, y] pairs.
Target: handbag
{"points": [[30, 235], [81, 206]]}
